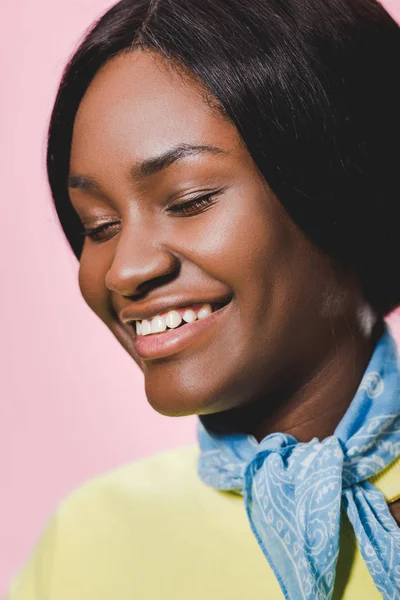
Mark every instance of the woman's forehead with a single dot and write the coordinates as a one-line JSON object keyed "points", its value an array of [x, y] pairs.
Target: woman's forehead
{"points": [[139, 97], [138, 107]]}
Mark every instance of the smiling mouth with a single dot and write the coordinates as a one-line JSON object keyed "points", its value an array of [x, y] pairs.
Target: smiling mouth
{"points": [[164, 344], [176, 318]]}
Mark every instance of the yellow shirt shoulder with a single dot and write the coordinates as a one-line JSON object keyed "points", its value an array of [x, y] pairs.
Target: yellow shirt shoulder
{"points": [[151, 529]]}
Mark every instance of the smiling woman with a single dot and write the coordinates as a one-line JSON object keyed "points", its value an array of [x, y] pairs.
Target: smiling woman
{"points": [[226, 175]]}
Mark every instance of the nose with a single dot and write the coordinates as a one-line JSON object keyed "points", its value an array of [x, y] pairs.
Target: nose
{"points": [[139, 264]]}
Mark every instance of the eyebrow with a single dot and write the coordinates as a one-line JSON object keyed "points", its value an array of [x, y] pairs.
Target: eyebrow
{"points": [[149, 166]]}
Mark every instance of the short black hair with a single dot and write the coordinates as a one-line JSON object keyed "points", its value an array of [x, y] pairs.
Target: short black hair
{"points": [[313, 88]]}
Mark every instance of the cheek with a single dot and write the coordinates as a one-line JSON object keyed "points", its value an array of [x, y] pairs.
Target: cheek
{"points": [[231, 240], [248, 242]]}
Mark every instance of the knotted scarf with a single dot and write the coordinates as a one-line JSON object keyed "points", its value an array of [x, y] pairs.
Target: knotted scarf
{"points": [[293, 492]]}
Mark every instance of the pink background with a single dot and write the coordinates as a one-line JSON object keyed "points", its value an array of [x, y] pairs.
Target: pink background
{"points": [[72, 402]]}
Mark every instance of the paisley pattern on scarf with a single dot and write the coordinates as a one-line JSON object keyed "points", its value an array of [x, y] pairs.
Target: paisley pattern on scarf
{"points": [[294, 492]]}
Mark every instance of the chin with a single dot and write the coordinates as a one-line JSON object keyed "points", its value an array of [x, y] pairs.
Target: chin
{"points": [[187, 385], [178, 400], [176, 406]]}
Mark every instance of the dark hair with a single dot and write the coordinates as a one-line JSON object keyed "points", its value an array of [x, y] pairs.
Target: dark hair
{"points": [[313, 88]]}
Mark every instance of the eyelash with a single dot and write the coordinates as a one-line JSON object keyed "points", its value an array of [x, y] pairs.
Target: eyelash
{"points": [[193, 206]]}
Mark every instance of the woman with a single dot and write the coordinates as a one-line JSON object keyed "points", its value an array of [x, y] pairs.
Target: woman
{"points": [[226, 174]]}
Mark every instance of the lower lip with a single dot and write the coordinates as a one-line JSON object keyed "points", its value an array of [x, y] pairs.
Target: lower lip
{"points": [[172, 341]]}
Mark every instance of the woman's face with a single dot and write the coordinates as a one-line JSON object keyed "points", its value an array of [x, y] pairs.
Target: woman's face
{"points": [[236, 246]]}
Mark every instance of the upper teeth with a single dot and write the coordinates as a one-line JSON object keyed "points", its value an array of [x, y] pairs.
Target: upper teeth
{"points": [[171, 320]]}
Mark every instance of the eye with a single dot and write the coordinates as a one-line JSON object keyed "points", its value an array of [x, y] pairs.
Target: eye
{"points": [[95, 232], [190, 207], [195, 205]]}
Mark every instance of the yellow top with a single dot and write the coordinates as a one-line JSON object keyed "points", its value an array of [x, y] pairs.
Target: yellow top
{"points": [[152, 530]]}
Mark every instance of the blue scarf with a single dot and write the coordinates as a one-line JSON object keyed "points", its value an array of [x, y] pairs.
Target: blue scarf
{"points": [[293, 492]]}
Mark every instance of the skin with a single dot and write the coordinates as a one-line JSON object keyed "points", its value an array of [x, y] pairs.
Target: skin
{"points": [[297, 329]]}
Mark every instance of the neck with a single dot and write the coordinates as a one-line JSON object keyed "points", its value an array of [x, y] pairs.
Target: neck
{"points": [[315, 404]]}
